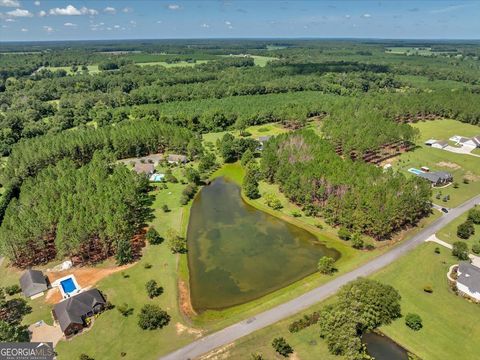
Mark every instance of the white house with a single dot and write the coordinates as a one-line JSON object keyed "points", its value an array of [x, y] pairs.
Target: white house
{"points": [[468, 280], [441, 144], [474, 142]]}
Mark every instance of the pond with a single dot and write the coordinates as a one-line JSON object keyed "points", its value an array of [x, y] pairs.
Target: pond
{"points": [[238, 253], [383, 348]]}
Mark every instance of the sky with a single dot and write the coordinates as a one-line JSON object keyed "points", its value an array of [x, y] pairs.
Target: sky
{"points": [[45, 20]]}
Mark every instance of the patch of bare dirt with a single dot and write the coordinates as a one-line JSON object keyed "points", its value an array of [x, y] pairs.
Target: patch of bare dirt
{"points": [[184, 299], [181, 329], [218, 354], [85, 276], [449, 165], [471, 176]]}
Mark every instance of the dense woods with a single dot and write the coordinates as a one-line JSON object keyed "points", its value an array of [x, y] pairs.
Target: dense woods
{"points": [[85, 213], [358, 196]]}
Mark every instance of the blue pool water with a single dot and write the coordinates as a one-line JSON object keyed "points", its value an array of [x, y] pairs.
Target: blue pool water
{"points": [[415, 171], [68, 286]]}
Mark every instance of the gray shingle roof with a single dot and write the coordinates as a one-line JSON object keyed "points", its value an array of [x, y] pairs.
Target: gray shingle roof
{"points": [[32, 282], [434, 177], [144, 168], [469, 275], [73, 309]]}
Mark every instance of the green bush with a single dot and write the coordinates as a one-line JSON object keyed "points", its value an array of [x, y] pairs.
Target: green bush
{"points": [[153, 290], [344, 234], [357, 241], [460, 250], [413, 321], [465, 230], [282, 347], [12, 290], [153, 237], [428, 289], [437, 250], [476, 248], [125, 309], [152, 317], [326, 265]]}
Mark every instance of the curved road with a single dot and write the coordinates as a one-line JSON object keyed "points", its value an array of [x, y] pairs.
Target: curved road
{"points": [[238, 330]]}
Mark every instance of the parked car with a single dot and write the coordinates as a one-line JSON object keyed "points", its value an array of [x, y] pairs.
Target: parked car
{"points": [[445, 210]]}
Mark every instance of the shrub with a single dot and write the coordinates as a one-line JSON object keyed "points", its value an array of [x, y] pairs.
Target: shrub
{"points": [[465, 230], [273, 202], [152, 317], [456, 185], [428, 289], [12, 290], [165, 208], [476, 248], [85, 357], [153, 237], [357, 241], [319, 226], [460, 250], [282, 347], [466, 181], [188, 193], [256, 356], [125, 309], [177, 243], [296, 213], [169, 177], [325, 265], [413, 321], [304, 322], [153, 290], [437, 250], [474, 216], [344, 234], [147, 266]]}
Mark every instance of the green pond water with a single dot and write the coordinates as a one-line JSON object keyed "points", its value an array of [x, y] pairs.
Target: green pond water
{"points": [[238, 253]]}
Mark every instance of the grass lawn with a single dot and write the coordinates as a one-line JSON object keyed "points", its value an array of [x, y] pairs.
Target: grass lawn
{"points": [[450, 323], [270, 129], [449, 232], [459, 165], [258, 60], [170, 65], [92, 69]]}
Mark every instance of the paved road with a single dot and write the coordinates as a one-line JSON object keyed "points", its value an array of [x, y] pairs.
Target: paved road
{"points": [[259, 321]]}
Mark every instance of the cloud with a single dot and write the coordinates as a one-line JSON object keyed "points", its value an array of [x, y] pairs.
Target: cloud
{"points": [[159, 21], [366, 16], [348, 16], [110, 10], [127, 10], [37, 3], [19, 13], [228, 22], [42, 13], [71, 10], [24, 30], [205, 26], [414, 9], [69, 24], [243, 11], [173, 7], [10, 3], [133, 23], [48, 29], [450, 8], [116, 26], [10, 20]]}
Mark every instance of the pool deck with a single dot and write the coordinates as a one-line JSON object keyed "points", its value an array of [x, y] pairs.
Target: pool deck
{"points": [[58, 283]]}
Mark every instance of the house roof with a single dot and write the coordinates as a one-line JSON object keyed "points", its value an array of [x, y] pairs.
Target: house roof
{"points": [[442, 143], [71, 310], [431, 141], [469, 275], [174, 157], [476, 139], [144, 168], [463, 139], [32, 282], [264, 138], [434, 177]]}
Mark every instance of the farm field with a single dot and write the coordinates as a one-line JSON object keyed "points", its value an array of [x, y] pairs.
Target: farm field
{"points": [[170, 65]]}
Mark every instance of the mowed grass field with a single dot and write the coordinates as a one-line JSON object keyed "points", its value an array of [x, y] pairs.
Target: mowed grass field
{"points": [[461, 166], [170, 65], [270, 129], [92, 69], [449, 232], [450, 322]]}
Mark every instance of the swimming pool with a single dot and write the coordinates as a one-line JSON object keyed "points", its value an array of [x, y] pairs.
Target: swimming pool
{"points": [[415, 171], [68, 286], [157, 177]]}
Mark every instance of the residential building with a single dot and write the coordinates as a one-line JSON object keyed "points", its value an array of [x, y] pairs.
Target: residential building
{"points": [[468, 280], [144, 168], [33, 283], [176, 159]]}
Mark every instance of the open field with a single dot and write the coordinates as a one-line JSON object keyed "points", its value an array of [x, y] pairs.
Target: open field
{"points": [[256, 131], [444, 129], [170, 65], [92, 69], [258, 60], [442, 311]]}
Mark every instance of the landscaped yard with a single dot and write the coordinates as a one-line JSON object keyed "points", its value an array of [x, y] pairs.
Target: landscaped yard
{"points": [[449, 232], [256, 131]]}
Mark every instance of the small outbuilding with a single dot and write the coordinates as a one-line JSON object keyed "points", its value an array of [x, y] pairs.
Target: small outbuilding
{"points": [[176, 159], [72, 313], [33, 283], [430, 142]]}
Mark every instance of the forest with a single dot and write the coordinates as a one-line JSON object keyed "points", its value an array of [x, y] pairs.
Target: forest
{"points": [[68, 111]]}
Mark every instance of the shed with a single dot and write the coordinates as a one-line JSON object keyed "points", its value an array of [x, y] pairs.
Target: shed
{"points": [[33, 282]]}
